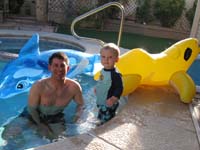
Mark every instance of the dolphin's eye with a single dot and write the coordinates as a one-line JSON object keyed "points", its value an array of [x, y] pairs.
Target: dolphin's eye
{"points": [[42, 63], [19, 86], [188, 53], [23, 84]]}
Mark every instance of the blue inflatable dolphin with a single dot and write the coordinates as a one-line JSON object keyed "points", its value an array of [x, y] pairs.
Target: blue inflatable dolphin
{"points": [[31, 65]]}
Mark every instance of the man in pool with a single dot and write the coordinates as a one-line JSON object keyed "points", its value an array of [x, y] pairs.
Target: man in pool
{"points": [[48, 97]]}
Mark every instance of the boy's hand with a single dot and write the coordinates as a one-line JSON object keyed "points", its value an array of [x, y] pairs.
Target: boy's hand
{"points": [[95, 91], [112, 100]]}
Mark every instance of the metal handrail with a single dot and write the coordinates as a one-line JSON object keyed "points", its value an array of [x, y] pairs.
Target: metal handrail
{"points": [[93, 11]]}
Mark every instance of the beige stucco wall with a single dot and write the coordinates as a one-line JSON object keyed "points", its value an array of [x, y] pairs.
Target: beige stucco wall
{"points": [[41, 10], [42, 15]]}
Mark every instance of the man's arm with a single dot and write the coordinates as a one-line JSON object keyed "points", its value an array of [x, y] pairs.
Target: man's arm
{"points": [[78, 98], [34, 101]]}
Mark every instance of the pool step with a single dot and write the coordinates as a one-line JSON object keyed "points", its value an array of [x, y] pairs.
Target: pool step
{"points": [[44, 28], [28, 27], [27, 24], [22, 20]]}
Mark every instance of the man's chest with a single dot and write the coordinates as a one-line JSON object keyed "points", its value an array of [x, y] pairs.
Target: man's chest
{"points": [[58, 98]]}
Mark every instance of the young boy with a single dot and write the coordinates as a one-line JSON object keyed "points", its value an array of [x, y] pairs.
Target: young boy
{"points": [[109, 86]]}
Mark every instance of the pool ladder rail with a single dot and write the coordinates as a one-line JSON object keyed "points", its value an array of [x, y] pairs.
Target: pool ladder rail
{"points": [[93, 11]]}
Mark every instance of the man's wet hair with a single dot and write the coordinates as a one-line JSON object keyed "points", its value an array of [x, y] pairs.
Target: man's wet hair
{"points": [[59, 55]]}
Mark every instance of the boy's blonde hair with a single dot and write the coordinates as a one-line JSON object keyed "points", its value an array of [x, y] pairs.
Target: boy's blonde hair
{"points": [[113, 47]]}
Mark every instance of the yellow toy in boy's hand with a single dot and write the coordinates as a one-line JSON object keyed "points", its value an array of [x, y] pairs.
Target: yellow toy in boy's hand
{"points": [[168, 67]]}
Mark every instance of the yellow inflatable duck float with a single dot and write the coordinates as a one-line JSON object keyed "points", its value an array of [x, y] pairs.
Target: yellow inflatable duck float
{"points": [[169, 67]]}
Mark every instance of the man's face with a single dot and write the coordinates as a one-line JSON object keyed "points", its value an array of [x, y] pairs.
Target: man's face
{"points": [[58, 68]]}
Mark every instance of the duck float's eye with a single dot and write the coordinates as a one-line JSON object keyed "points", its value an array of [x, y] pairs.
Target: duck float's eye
{"points": [[21, 85], [187, 54]]}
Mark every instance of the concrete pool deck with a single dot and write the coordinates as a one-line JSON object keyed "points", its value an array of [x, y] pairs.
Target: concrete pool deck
{"points": [[153, 119]]}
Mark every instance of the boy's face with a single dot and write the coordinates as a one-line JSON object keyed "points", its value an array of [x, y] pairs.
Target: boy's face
{"points": [[108, 58]]}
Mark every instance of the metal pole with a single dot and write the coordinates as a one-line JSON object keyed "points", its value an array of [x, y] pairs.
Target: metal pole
{"points": [[93, 11]]}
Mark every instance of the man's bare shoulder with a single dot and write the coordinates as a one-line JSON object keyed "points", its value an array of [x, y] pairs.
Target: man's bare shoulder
{"points": [[73, 84], [40, 83]]}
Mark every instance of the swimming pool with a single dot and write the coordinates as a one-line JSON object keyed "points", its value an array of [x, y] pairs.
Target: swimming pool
{"points": [[12, 107]]}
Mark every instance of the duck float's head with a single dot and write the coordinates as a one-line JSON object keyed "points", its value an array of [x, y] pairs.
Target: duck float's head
{"points": [[184, 52]]}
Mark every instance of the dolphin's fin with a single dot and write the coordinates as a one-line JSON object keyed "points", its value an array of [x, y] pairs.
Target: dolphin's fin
{"points": [[31, 47], [184, 85]]}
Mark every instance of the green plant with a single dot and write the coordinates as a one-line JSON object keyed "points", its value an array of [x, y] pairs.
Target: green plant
{"points": [[168, 11], [143, 11], [191, 12], [108, 13], [15, 5]]}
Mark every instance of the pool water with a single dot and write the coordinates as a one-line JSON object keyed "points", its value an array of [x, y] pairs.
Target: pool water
{"points": [[194, 71], [14, 45], [2, 64]]}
